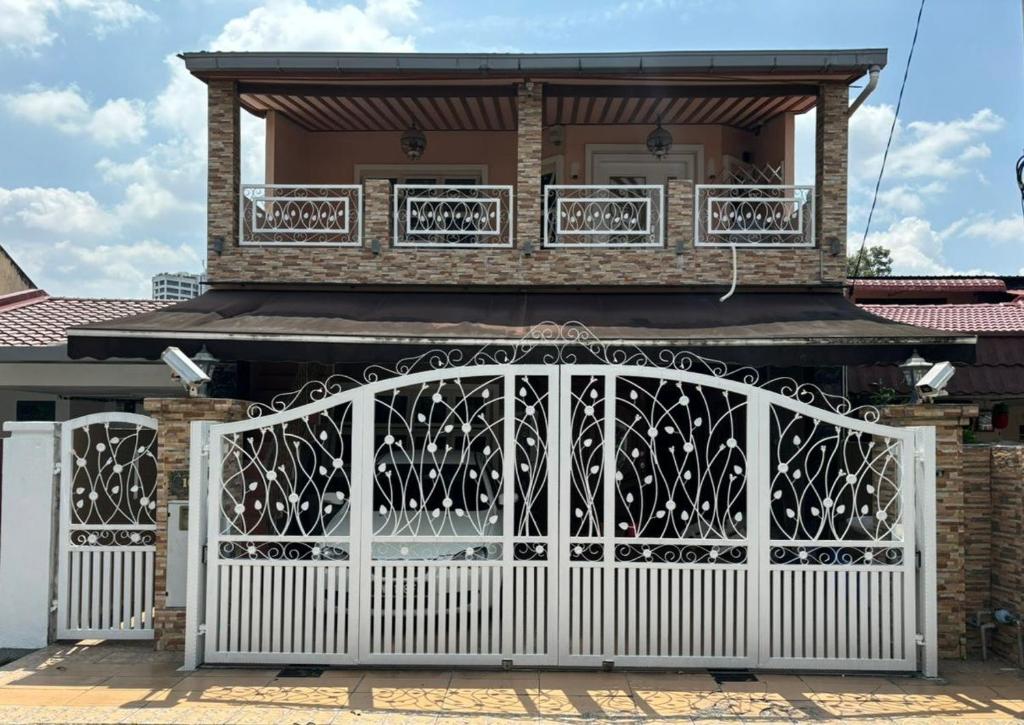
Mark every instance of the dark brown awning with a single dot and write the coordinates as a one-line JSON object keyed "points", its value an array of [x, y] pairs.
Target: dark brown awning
{"points": [[997, 372], [348, 326]]}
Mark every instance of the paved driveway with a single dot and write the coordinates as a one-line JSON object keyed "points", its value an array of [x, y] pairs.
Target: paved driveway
{"points": [[130, 683]]}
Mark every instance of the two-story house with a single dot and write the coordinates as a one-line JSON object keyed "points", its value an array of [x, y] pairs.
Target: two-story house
{"points": [[500, 287]]}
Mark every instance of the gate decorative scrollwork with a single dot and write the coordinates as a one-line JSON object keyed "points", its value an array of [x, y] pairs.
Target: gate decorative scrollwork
{"points": [[559, 501]]}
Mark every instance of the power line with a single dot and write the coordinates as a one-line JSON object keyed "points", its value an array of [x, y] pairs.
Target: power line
{"points": [[888, 143]]}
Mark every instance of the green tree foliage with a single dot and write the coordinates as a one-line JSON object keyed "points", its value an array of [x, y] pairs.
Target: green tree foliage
{"points": [[875, 262]]}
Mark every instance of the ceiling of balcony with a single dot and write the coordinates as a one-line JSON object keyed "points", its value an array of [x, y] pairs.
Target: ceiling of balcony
{"points": [[493, 108]]}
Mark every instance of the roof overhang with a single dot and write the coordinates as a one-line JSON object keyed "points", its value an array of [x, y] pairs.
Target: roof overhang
{"points": [[442, 92], [365, 326], [847, 64]]}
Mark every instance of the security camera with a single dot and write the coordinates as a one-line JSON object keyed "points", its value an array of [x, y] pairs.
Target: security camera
{"points": [[185, 370], [934, 382]]}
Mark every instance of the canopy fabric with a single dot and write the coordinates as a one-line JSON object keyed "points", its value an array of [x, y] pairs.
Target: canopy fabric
{"points": [[810, 328]]}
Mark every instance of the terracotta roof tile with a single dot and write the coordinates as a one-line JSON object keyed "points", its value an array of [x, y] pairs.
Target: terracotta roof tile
{"points": [[919, 284], [38, 320], [991, 317]]}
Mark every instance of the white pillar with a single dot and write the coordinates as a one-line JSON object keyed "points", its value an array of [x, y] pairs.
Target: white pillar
{"points": [[26, 534]]}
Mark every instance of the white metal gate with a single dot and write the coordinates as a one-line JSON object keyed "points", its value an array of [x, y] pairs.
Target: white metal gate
{"points": [[107, 527], [563, 513]]}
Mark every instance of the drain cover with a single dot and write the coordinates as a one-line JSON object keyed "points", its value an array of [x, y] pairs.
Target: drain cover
{"points": [[301, 672], [732, 676]]}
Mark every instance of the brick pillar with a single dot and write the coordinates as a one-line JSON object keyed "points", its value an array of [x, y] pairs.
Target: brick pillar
{"points": [[377, 213], [223, 172], [831, 154], [950, 524], [1007, 563], [173, 417], [529, 159]]}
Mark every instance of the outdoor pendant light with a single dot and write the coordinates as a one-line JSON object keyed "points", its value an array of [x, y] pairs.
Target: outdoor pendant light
{"points": [[659, 141], [913, 369], [414, 142]]}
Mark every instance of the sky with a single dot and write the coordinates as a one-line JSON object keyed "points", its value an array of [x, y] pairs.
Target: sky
{"points": [[103, 160]]}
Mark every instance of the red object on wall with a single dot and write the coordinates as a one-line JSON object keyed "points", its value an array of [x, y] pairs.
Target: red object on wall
{"points": [[1000, 416]]}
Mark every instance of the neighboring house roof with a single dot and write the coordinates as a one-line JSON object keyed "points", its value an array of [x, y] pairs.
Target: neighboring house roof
{"points": [[34, 319], [1000, 317], [998, 370], [928, 284]]}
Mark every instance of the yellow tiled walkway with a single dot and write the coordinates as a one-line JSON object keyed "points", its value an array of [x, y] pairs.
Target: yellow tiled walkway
{"points": [[97, 682]]}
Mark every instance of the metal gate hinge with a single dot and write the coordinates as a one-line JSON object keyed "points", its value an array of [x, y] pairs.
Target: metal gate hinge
{"points": [[205, 450], [53, 606], [201, 629], [919, 640], [56, 470]]}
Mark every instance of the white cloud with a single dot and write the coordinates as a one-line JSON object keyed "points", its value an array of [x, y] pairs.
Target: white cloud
{"points": [[163, 190], [26, 25], [1009, 229], [916, 248], [296, 25], [56, 210], [920, 149], [117, 121], [901, 199], [102, 270]]}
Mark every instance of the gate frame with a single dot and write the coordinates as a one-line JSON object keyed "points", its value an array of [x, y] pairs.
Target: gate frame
{"points": [[65, 527], [917, 469]]}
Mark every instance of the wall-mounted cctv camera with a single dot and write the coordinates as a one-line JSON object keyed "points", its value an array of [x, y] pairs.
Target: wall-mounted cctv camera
{"points": [[934, 382], [185, 370]]}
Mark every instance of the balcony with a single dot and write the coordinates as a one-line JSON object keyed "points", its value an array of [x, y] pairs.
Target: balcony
{"points": [[498, 181]]}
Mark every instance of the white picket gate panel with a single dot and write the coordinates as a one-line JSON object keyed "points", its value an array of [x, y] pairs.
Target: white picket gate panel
{"points": [[107, 527], [562, 514]]}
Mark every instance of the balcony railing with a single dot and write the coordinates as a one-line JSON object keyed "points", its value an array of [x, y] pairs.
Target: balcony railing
{"points": [[441, 215], [754, 215], [604, 216], [283, 214]]}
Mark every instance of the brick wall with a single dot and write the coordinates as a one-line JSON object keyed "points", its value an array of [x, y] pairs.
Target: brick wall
{"points": [[1007, 567], [977, 472], [174, 416], [345, 265], [950, 510]]}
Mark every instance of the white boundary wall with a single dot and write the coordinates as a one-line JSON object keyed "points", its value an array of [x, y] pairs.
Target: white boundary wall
{"points": [[27, 534]]}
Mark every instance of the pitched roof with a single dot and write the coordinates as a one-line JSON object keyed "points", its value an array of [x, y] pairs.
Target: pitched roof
{"points": [[1000, 317], [929, 284], [34, 319]]}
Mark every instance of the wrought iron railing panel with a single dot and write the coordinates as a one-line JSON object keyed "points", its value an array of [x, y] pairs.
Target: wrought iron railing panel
{"points": [[444, 215], [604, 216], [754, 215], [282, 214]]}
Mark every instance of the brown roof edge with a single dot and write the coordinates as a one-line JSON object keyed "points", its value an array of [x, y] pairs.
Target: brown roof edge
{"points": [[846, 64], [13, 300]]}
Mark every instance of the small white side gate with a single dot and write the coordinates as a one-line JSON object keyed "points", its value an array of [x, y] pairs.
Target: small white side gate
{"points": [[561, 514], [107, 527]]}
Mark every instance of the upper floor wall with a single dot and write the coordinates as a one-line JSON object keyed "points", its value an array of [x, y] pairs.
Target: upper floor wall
{"points": [[552, 180]]}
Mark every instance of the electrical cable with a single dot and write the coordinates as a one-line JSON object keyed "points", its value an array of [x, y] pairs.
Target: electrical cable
{"points": [[888, 144]]}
